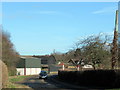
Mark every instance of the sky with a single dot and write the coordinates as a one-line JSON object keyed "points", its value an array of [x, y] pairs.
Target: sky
{"points": [[39, 28]]}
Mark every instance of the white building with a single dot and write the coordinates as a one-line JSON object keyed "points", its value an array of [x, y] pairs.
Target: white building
{"points": [[28, 66]]}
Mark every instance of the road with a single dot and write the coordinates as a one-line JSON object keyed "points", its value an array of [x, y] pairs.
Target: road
{"points": [[50, 83]]}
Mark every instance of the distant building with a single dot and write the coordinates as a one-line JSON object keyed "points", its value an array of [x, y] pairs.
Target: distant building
{"points": [[74, 61], [47, 59], [48, 63], [28, 66]]}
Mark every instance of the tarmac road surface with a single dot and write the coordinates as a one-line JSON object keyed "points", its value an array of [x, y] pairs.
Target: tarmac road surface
{"points": [[50, 83]]}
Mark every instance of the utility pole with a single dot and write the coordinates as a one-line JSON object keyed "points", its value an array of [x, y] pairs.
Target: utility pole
{"points": [[114, 50], [119, 40]]}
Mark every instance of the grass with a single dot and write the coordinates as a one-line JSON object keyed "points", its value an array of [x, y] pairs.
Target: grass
{"points": [[14, 79], [11, 85]]}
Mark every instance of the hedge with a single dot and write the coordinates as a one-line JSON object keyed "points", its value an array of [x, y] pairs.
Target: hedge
{"points": [[94, 78]]}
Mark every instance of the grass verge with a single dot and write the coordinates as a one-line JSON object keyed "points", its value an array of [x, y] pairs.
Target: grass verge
{"points": [[13, 79]]}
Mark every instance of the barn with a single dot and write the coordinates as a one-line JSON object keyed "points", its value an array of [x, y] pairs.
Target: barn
{"points": [[47, 59], [48, 63], [28, 66]]}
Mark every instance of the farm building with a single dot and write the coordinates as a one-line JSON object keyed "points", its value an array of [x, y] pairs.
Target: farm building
{"points": [[74, 61], [47, 59], [48, 63], [28, 66]]}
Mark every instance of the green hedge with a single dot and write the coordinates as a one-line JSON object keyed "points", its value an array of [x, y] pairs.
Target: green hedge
{"points": [[95, 78]]}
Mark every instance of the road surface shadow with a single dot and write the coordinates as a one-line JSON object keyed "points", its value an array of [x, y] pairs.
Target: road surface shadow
{"points": [[36, 83]]}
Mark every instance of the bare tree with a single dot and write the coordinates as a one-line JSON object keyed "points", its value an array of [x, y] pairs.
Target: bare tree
{"points": [[9, 54], [93, 49]]}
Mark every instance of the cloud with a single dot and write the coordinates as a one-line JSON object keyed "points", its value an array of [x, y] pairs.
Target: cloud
{"points": [[105, 10]]}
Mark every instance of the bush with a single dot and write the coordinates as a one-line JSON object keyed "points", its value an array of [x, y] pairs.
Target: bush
{"points": [[12, 71]]}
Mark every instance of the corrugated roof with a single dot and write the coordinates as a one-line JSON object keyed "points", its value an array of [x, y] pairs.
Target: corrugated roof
{"points": [[30, 62]]}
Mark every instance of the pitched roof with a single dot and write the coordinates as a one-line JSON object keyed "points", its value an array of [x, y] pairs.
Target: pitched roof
{"points": [[73, 61]]}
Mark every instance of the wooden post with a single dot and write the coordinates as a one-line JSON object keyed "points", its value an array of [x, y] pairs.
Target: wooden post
{"points": [[78, 67], [63, 66]]}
